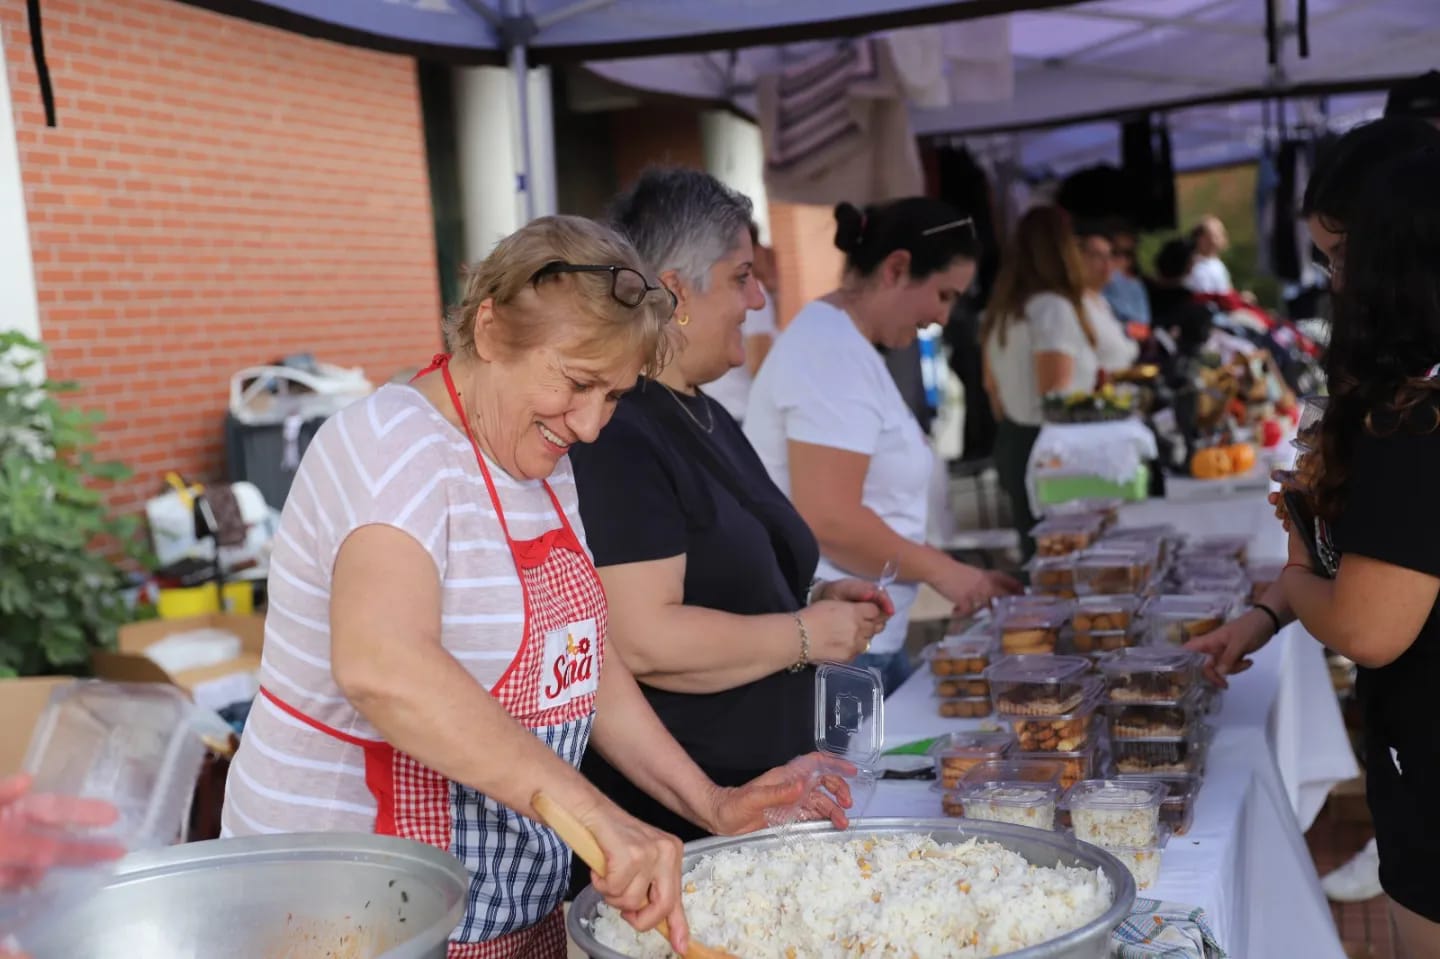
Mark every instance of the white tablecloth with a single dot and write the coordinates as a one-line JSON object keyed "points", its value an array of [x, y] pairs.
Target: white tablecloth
{"points": [[1244, 860]]}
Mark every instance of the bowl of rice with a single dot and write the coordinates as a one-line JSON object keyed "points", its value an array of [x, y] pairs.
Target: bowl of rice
{"points": [[911, 889]]}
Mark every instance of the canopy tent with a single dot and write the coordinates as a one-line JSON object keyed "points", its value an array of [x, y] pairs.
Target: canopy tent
{"points": [[1112, 57], [524, 31]]}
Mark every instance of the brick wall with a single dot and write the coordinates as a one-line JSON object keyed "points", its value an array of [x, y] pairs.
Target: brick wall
{"points": [[809, 265], [216, 194]]}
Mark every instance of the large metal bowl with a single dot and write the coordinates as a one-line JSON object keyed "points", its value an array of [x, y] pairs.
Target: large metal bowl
{"points": [[269, 897], [1090, 941]]}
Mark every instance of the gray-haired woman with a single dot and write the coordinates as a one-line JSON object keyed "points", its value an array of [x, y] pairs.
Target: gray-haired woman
{"points": [[707, 567]]}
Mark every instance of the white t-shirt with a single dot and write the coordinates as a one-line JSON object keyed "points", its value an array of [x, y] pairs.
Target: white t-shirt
{"points": [[1113, 347], [1050, 326], [732, 390], [1209, 275], [824, 383]]}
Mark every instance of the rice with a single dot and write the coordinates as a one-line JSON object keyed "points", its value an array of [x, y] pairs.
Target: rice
{"points": [[906, 896]]}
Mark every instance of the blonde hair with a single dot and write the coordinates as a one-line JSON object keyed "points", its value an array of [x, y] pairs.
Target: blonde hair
{"points": [[588, 311], [1043, 257]]}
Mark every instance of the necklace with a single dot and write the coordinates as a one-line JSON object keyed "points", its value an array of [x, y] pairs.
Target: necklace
{"points": [[707, 429]]}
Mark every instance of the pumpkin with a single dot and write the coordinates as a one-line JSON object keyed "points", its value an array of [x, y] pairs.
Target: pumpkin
{"points": [[1242, 457], [1212, 463]]}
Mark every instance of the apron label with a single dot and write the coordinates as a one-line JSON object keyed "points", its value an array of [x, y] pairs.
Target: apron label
{"points": [[569, 664]]}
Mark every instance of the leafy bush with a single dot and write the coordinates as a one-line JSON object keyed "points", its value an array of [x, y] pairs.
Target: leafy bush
{"points": [[60, 579]]}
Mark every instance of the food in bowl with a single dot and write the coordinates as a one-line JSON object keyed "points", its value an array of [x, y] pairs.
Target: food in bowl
{"points": [[882, 896]]}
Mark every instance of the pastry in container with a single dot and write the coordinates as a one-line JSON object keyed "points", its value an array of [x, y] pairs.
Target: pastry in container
{"points": [[1163, 539], [1063, 535], [958, 753], [1178, 619], [1076, 765], [966, 655], [1067, 732], [956, 687], [965, 707], [1150, 674], [1236, 547], [1170, 756], [1040, 685], [1142, 861], [1237, 586], [1031, 624], [1115, 569], [1108, 812], [1103, 623], [1052, 576], [1106, 509], [1025, 793], [1148, 721]]}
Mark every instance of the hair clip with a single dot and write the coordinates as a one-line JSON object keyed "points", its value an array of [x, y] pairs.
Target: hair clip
{"points": [[953, 224]]}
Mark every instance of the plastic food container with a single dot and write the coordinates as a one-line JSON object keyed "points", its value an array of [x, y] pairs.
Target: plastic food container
{"points": [[1312, 411], [1163, 537], [1107, 510], [1039, 685], [957, 754], [1178, 619], [1237, 586], [1114, 813], [1145, 721], [966, 655], [135, 745], [1177, 809], [1158, 757], [1064, 733], [1150, 674], [957, 687], [1234, 547], [1022, 793], [1052, 575], [965, 707], [1115, 569], [1104, 623], [1206, 566], [1076, 765], [1063, 535], [850, 726], [1142, 861], [1031, 624]]}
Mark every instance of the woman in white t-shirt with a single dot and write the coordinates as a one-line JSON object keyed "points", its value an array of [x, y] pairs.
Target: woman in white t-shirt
{"points": [[832, 428], [1038, 340]]}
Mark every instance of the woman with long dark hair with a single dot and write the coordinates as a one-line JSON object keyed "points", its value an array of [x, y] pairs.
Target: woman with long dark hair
{"points": [[1369, 592]]}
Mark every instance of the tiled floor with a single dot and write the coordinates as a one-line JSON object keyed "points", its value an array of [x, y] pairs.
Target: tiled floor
{"points": [[1339, 832]]}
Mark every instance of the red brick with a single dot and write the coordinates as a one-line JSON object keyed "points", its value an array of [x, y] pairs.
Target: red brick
{"points": [[216, 194]]}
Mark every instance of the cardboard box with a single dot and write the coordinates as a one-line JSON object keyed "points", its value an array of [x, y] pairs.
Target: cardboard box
{"points": [[214, 686], [21, 703]]}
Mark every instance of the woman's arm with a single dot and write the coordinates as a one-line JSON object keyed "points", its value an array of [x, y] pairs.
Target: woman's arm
{"points": [[1053, 372], [388, 661], [1371, 612], [693, 649], [1228, 646]]}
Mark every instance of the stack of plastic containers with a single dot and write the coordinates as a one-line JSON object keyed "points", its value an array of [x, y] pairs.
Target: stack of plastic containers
{"points": [[1021, 792], [1031, 624], [1124, 819], [1104, 623], [1051, 705], [958, 665]]}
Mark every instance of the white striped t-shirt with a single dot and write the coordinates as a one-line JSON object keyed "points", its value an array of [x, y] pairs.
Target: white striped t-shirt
{"points": [[390, 459]]}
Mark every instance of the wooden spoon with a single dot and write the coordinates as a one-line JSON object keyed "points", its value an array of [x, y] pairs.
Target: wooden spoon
{"points": [[579, 838]]}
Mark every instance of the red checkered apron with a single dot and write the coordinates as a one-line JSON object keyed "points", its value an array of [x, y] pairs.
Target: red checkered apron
{"points": [[519, 869]]}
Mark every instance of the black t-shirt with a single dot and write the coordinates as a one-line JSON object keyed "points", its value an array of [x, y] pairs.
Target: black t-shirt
{"points": [[1392, 514], [651, 488]]}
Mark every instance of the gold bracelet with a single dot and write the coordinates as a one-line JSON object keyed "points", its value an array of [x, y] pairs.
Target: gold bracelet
{"points": [[804, 659]]}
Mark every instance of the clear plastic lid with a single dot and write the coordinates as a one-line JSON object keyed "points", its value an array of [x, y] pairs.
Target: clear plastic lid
{"points": [[1105, 614], [1032, 612], [1233, 546], [1015, 794], [1156, 532], [1207, 564], [1063, 535], [137, 746], [1116, 795], [1081, 507], [1038, 669], [967, 646], [1312, 411], [1052, 575], [1172, 608], [1038, 772], [849, 713], [1141, 660], [989, 743]]}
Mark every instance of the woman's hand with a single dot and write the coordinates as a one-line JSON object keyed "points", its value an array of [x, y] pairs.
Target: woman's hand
{"points": [[971, 589], [1227, 649], [808, 788], [642, 871], [840, 630], [857, 591], [33, 837]]}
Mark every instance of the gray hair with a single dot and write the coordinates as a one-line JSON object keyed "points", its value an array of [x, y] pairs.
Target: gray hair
{"points": [[681, 220]]}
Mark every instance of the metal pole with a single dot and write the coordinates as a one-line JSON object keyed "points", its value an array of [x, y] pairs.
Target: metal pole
{"points": [[520, 74]]}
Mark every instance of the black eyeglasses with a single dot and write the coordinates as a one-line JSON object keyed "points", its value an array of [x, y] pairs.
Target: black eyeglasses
{"points": [[628, 287]]}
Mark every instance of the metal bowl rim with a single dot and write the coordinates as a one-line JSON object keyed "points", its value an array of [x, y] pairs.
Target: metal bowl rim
{"points": [[1121, 881]]}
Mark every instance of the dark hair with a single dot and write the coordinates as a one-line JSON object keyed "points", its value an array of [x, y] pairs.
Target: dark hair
{"points": [[933, 232], [1416, 97], [1173, 260], [1386, 331], [1332, 192]]}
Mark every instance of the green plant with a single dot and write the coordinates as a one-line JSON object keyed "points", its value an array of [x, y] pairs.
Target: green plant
{"points": [[61, 580]]}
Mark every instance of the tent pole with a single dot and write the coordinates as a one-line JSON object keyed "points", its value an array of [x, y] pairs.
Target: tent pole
{"points": [[520, 74]]}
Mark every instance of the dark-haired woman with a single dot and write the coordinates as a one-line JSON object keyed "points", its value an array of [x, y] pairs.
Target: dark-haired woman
{"points": [[833, 430], [1373, 596]]}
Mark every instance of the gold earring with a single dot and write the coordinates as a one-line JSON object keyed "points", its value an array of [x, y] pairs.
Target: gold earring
{"points": [[684, 320]]}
